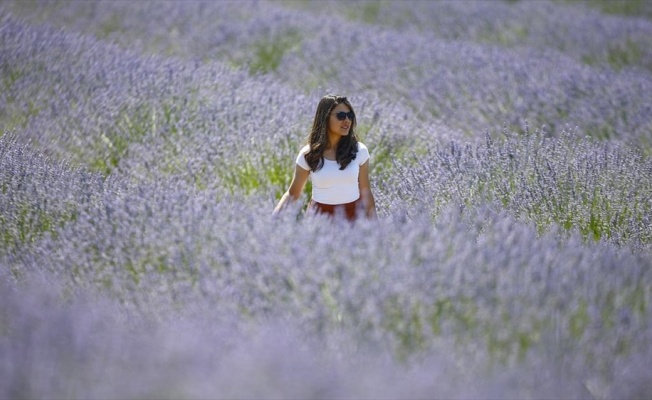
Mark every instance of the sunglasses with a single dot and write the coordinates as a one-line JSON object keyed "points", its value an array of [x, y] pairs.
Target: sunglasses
{"points": [[341, 116]]}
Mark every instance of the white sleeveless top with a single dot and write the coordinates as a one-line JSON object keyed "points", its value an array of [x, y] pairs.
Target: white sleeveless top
{"points": [[329, 184]]}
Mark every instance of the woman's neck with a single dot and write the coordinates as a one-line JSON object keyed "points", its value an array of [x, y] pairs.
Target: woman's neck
{"points": [[333, 140]]}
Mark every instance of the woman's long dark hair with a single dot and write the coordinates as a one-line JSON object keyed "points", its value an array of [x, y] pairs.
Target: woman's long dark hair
{"points": [[347, 147]]}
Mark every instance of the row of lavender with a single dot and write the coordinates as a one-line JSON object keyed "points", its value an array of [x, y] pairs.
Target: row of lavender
{"points": [[214, 128], [475, 86], [174, 259], [577, 29], [207, 31], [473, 65], [174, 294], [153, 118], [598, 189]]}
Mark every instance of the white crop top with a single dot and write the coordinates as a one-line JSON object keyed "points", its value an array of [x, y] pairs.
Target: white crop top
{"points": [[329, 184]]}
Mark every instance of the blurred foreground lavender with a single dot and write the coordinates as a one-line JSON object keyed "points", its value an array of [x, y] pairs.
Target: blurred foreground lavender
{"points": [[138, 256]]}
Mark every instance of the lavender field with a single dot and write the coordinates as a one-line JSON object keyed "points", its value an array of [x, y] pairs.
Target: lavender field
{"points": [[144, 145]]}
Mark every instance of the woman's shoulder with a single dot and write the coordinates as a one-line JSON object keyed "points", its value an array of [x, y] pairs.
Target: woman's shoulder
{"points": [[363, 153], [304, 149], [301, 158]]}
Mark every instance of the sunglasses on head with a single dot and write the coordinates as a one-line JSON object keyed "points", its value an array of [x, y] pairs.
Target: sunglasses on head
{"points": [[341, 116]]}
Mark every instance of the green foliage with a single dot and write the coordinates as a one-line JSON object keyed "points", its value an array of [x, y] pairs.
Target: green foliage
{"points": [[29, 222], [131, 126], [367, 12], [412, 325], [578, 321], [630, 8], [109, 26], [271, 170], [14, 115], [512, 35], [134, 124], [405, 323], [618, 56], [268, 53]]}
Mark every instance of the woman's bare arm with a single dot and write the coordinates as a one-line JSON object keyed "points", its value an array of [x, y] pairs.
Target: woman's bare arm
{"points": [[366, 195], [296, 187]]}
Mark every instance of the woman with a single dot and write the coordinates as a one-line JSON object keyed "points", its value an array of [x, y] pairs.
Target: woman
{"points": [[337, 164]]}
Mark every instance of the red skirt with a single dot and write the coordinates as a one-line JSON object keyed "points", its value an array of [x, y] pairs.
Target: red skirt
{"points": [[351, 211]]}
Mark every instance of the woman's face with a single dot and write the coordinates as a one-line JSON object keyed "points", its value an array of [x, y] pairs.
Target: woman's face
{"points": [[340, 127]]}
